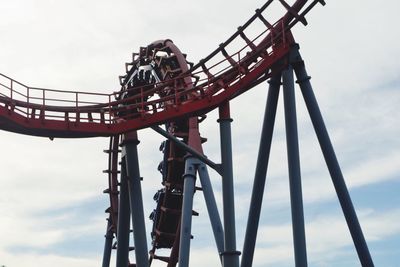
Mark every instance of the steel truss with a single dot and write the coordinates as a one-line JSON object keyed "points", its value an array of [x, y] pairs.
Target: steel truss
{"points": [[285, 78], [196, 165], [161, 87]]}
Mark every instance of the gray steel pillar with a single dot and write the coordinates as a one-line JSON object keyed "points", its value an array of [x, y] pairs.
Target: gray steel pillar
{"points": [[187, 209], [108, 244], [333, 165], [230, 256], [136, 200], [211, 207], [123, 220], [261, 172], [296, 198]]}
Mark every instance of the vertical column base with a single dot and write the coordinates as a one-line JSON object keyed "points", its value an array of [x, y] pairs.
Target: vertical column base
{"points": [[108, 245], [123, 220], [296, 195], [230, 256], [187, 210], [136, 199]]}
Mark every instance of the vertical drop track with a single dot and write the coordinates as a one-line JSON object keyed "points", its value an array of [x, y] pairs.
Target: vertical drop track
{"points": [[160, 87]]}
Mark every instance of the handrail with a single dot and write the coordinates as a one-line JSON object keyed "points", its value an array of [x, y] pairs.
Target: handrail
{"points": [[208, 81]]}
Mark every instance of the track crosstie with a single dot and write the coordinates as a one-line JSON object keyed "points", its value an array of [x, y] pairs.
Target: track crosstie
{"points": [[67, 114], [161, 87]]}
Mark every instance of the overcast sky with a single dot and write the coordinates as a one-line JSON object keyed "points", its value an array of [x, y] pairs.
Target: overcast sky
{"points": [[51, 205]]}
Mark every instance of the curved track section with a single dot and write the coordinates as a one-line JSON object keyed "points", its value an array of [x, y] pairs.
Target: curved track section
{"points": [[113, 184], [220, 76], [158, 62], [159, 87]]}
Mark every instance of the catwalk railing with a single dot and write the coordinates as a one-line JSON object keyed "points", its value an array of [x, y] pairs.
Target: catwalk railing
{"points": [[255, 52], [217, 78], [51, 104]]}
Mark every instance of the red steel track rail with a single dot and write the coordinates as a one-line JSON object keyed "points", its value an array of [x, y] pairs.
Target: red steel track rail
{"points": [[195, 91], [217, 78]]}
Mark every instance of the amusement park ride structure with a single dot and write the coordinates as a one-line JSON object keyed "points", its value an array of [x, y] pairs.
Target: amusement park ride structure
{"points": [[160, 87]]}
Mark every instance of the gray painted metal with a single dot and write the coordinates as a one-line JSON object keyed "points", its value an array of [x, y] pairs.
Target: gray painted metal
{"points": [[333, 164], [123, 221], [230, 256], [211, 207], [261, 172], [296, 198], [136, 203], [187, 209], [108, 245], [187, 148]]}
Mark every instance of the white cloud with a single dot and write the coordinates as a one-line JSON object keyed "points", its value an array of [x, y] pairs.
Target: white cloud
{"points": [[349, 48], [36, 260], [327, 237]]}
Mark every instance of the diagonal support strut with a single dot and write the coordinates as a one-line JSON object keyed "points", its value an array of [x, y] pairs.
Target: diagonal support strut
{"points": [[182, 145], [332, 162]]}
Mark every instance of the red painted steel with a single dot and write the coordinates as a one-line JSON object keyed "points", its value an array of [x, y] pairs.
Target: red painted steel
{"points": [[55, 113], [176, 99], [166, 216]]}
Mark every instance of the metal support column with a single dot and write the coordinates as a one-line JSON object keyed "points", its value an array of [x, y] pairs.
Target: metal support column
{"points": [[108, 244], [123, 220], [187, 211], [296, 198], [230, 256], [261, 172], [333, 164], [136, 199], [211, 207]]}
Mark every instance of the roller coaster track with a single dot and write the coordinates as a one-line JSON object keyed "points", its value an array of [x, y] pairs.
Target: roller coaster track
{"points": [[68, 114], [159, 87], [159, 61]]}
